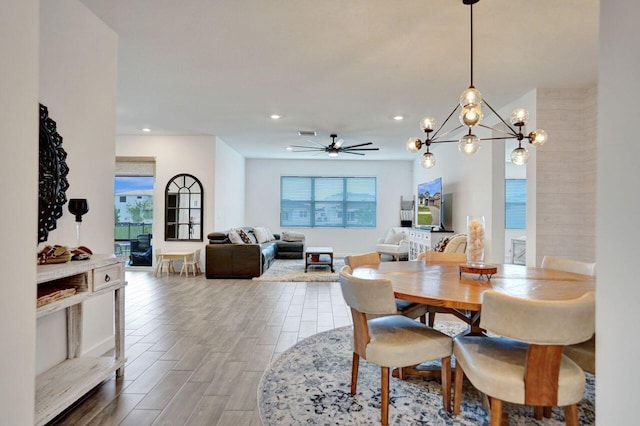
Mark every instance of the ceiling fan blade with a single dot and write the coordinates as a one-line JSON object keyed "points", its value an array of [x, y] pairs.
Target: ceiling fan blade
{"points": [[351, 152], [339, 143], [307, 147], [314, 142], [360, 144], [359, 149], [308, 150]]}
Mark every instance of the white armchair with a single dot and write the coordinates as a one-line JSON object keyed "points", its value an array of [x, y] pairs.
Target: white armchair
{"points": [[395, 244]]}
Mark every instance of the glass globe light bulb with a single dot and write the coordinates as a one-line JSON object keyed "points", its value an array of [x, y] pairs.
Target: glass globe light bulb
{"points": [[428, 124], [519, 117], [469, 144], [538, 137], [471, 115], [519, 156], [428, 160], [413, 145], [470, 97]]}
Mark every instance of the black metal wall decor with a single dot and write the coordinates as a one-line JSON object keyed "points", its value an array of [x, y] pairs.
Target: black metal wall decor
{"points": [[52, 176], [183, 209]]}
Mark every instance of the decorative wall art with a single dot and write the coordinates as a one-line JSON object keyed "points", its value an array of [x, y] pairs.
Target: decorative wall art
{"points": [[52, 176], [183, 209]]}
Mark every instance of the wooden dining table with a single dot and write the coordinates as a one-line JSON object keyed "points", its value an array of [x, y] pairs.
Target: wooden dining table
{"points": [[442, 285]]}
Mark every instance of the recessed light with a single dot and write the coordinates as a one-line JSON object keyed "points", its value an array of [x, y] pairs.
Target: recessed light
{"points": [[289, 148], [398, 117], [146, 130], [276, 116]]}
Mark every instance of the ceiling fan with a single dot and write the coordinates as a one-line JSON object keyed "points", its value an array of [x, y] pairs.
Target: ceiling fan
{"points": [[334, 148]]}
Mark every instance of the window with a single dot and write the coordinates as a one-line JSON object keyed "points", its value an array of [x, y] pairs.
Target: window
{"points": [[515, 216], [328, 202]]}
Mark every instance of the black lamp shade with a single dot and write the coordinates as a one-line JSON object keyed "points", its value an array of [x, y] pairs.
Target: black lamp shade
{"points": [[78, 207]]}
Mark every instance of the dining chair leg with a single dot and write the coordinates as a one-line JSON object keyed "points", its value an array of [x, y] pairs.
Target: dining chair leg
{"points": [[423, 319], [571, 415], [446, 383], [457, 388], [537, 412], [496, 412], [432, 319], [384, 396], [354, 373], [547, 412]]}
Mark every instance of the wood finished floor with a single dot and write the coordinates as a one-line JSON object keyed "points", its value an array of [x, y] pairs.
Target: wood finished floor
{"points": [[196, 348]]}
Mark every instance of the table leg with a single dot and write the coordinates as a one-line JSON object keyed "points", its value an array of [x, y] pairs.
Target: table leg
{"points": [[331, 258]]}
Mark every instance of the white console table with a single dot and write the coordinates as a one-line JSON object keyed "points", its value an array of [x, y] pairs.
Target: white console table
{"points": [[419, 241], [65, 383]]}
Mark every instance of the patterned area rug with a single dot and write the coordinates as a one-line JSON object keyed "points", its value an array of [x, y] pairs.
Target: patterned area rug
{"points": [[293, 270], [309, 384]]}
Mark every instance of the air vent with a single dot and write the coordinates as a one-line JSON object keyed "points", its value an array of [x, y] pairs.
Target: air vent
{"points": [[306, 133]]}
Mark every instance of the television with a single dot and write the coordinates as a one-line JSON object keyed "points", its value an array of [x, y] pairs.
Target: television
{"points": [[429, 202]]}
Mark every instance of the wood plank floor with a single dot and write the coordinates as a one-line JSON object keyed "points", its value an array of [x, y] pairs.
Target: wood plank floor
{"points": [[196, 348]]}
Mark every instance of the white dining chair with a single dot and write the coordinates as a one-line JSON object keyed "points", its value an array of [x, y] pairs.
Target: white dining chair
{"points": [[162, 263], [193, 262], [568, 265]]}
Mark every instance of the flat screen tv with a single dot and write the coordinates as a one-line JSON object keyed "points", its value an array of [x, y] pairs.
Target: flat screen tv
{"points": [[429, 210]]}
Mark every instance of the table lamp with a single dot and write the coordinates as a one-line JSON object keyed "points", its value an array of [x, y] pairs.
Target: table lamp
{"points": [[78, 207]]}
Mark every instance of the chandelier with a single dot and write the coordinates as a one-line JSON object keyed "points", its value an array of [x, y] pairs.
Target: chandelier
{"points": [[470, 115]]}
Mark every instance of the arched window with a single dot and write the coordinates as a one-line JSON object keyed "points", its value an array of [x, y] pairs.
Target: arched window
{"points": [[183, 209]]}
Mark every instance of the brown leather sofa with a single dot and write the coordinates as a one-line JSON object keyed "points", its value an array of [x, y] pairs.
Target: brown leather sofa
{"points": [[227, 260]]}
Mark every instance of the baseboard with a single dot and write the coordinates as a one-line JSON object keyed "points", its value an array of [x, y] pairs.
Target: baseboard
{"points": [[107, 345]]}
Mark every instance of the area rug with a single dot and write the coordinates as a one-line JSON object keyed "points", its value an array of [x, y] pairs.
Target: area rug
{"points": [[293, 270], [309, 384]]}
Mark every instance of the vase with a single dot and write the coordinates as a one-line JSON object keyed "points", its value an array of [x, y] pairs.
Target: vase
{"points": [[475, 240]]}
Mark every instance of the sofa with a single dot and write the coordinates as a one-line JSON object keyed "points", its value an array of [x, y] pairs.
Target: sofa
{"points": [[248, 252]]}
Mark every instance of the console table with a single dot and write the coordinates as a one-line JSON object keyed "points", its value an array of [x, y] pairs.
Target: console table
{"points": [[419, 241], [65, 383]]}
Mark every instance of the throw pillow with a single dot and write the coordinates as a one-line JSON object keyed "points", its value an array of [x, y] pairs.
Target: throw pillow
{"points": [[234, 237], [261, 234], [441, 244], [292, 236], [244, 235], [394, 237], [270, 236]]}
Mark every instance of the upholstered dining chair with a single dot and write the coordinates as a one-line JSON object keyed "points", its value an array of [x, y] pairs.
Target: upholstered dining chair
{"points": [[431, 257], [406, 308], [193, 262], [567, 265], [390, 340], [584, 354], [526, 366]]}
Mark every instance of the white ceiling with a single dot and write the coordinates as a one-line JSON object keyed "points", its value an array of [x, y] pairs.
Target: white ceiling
{"points": [[195, 67]]}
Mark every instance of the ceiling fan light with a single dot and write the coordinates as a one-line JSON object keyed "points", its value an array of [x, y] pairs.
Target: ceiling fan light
{"points": [[538, 137], [470, 97], [469, 144], [333, 153], [414, 145], [471, 115], [428, 124], [428, 160], [519, 117], [519, 156]]}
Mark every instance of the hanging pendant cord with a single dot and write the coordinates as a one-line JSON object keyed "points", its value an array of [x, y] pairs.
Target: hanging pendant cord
{"points": [[471, 35]]}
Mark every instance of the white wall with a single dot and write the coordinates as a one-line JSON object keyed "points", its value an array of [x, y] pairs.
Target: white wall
{"points": [[229, 192], [18, 183], [78, 78], [617, 233], [469, 179], [394, 178], [175, 155]]}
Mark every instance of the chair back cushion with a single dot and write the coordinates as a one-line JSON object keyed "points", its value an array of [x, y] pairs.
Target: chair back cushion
{"points": [[540, 322], [356, 260], [367, 296], [567, 265]]}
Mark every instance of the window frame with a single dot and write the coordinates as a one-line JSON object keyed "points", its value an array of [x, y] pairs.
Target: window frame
{"points": [[344, 210]]}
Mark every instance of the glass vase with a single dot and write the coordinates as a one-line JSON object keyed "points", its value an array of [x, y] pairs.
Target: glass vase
{"points": [[475, 240]]}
